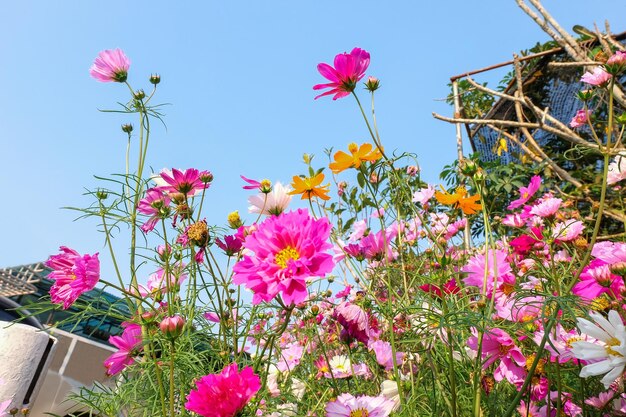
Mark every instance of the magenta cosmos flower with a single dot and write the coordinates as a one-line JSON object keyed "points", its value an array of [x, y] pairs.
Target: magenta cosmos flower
{"points": [[347, 405], [597, 77], [526, 193], [110, 66], [187, 182], [288, 250], [154, 204], [348, 70], [73, 274], [128, 345], [224, 394], [488, 271]]}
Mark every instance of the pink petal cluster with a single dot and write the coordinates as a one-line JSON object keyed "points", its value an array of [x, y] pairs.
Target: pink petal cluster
{"points": [[488, 271], [526, 193], [580, 119], [73, 274], [187, 182], [617, 169], [128, 345], [110, 65], [344, 76], [354, 321], [156, 205], [597, 77], [284, 253], [384, 354], [498, 345], [224, 394], [347, 405]]}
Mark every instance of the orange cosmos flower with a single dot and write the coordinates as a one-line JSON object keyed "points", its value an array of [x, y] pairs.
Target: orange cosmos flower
{"points": [[310, 187], [469, 204], [359, 154]]}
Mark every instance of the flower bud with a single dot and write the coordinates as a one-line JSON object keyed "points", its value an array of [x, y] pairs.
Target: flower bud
{"points": [[172, 326], [234, 220], [585, 95], [372, 84], [127, 128], [468, 167], [139, 95], [155, 79], [265, 186], [616, 63], [621, 119], [102, 195], [315, 309], [206, 177], [307, 158], [479, 176], [619, 269], [13, 411], [412, 170]]}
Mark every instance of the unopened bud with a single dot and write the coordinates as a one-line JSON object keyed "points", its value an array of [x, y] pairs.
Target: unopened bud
{"points": [[585, 95], [13, 411], [621, 119], [468, 167], [372, 84], [307, 158], [479, 176], [127, 128], [102, 195], [172, 326], [266, 186], [234, 220], [619, 269], [206, 177], [139, 95], [315, 309], [155, 79]]}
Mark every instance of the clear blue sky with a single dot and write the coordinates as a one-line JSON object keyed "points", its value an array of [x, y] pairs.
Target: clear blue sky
{"points": [[239, 77]]}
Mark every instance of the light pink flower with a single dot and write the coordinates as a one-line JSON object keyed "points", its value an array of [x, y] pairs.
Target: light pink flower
{"points": [[73, 274], [128, 345], [597, 77], [497, 267], [580, 119], [272, 203], [610, 252], [224, 394], [290, 356], [513, 220], [384, 354], [359, 228], [498, 345], [568, 230], [617, 169], [547, 207], [618, 58], [283, 254], [110, 65], [423, 195], [346, 405], [378, 246], [347, 72], [526, 193]]}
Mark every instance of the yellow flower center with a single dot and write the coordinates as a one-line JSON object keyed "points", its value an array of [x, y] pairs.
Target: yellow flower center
{"points": [[353, 147], [609, 347], [359, 412], [286, 255], [571, 340]]}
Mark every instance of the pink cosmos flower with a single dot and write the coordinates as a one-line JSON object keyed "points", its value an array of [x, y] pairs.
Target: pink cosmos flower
{"points": [[526, 193], [154, 204], [285, 252], [559, 343], [354, 320], [187, 182], [597, 279], [498, 270], [568, 230], [73, 275], [617, 169], [231, 244], [128, 344], [348, 71], [513, 220], [346, 405], [498, 345], [224, 394], [423, 195], [580, 119], [378, 245], [618, 58], [157, 285], [547, 207], [110, 65], [384, 354], [598, 77], [610, 252]]}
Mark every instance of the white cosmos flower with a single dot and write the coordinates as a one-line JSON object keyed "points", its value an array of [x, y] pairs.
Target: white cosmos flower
{"points": [[272, 203], [607, 355]]}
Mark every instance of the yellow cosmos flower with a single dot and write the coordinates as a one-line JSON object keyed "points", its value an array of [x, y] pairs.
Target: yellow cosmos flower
{"points": [[358, 155], [310, 187], [458, 199]]}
